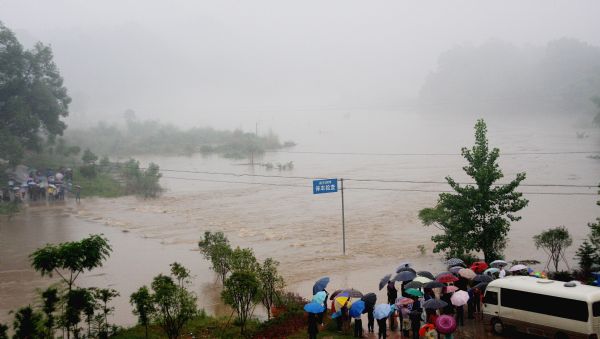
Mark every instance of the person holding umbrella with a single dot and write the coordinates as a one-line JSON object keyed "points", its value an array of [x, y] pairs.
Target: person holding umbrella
{"points": [[415, 321], [313, 310], [392, 294]]}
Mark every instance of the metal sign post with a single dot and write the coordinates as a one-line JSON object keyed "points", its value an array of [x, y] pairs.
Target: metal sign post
{"points": [[331, 186]]}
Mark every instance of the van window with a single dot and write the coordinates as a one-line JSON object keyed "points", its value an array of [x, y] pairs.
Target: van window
{"points": [[596, 309], [545, 304], [490, 298]]}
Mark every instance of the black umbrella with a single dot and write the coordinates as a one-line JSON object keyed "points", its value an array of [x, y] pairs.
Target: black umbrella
{"points": [[455, 262], [433, 284], [405, 276], [384, 281], [426, 274], [482, 286], [320, 285], [413, 284], [352, 293], [483, 278], [405, 269], [370, 299], [434, 304], [403, 265]]}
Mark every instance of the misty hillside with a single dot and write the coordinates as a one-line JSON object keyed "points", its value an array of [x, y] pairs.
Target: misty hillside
{"points": [[499, 77]]}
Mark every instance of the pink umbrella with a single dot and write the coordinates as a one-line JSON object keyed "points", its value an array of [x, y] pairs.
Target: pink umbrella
{"points": [[459, 298], [445, 324], [467, 273], [403, 301], [450, 289]]}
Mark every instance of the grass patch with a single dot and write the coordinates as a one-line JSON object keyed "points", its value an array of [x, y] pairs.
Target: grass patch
{"points": [[103, 185]]}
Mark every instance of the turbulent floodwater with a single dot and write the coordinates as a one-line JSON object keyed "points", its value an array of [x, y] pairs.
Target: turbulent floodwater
{"points": [[285, 221]]}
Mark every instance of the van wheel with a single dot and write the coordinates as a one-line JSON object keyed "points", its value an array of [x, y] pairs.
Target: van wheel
{"points": [[497, 326], [561, 335]]}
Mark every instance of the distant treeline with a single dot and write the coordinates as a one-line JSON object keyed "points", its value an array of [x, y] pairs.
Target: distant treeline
{"points": [[152, 137], [498, 77]]}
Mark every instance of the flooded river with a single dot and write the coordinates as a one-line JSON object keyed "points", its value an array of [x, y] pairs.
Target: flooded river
{"points": [[281, 218]]}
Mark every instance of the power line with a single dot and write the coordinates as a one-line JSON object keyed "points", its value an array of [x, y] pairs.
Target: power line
{"points": [[428, 154], [364, 188]]}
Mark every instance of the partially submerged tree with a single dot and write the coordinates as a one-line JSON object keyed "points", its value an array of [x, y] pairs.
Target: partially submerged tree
{"points": [[476, 217], [242, 292], [142, 307], [271, 282], [181, 273], [216, 248], [554, 242]]}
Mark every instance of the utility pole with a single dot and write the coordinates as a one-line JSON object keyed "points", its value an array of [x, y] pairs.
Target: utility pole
{"points": [[343, 217]]}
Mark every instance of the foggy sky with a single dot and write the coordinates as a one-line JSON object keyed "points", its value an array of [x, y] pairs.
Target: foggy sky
{"points": [[222, 62]]}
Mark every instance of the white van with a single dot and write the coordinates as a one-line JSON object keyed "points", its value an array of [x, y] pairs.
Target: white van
{"points": [[543, 307]]}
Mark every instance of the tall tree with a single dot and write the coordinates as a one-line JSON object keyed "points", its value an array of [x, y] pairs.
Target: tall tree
{"points": [[28, 324], [174, 305], [32, 97], [103, 296], [271, 283], [476, 217], [242, 292], [554, 242], [50, 299], [216, 248]]}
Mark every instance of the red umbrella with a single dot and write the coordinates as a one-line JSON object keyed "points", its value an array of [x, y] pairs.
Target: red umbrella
{"points": [[426, 328], [479, 266], [446, 278]]}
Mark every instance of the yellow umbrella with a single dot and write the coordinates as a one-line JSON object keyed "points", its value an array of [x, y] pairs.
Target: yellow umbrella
{"points": [[341, 301]]}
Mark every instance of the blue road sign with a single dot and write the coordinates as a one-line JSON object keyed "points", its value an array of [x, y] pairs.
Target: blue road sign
{"points": [[325, 186]]}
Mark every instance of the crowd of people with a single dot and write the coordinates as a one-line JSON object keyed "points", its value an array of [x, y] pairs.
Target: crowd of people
{"points": [[419, 304], [38, 185]]}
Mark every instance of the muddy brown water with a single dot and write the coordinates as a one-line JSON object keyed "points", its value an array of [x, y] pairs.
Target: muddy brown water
{"points": [[301, 230]]}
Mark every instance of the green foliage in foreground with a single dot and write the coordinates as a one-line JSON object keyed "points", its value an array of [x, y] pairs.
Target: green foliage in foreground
{"points": [[476, 217]]}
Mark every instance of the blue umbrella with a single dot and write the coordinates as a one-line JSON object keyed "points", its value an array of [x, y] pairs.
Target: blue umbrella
{"points": [[320, 284], [382, 311], [319, 297], [314, 308], [357, 308]]}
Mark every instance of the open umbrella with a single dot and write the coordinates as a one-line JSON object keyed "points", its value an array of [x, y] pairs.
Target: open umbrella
{"points": [[445, 324], [319, 297], [449, 289], [357, 308], [342, 300], [414, 292], [425, 274], [483, 278], [402, 269], [479, 266], [369, 299], [434, 304], [334, 294], [314, 308], [433, 284], [320, 284], [423, 280], [455, 269], [384, 281], [403, 265], [454, 262], [491, 271], [352, 293], [403, 301], [443, 273], [382, 311], [467, 273], [498, 263], [518, 267], [447, 278], [481, 286], [413, 284], [459, 298], [405, 276]]}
